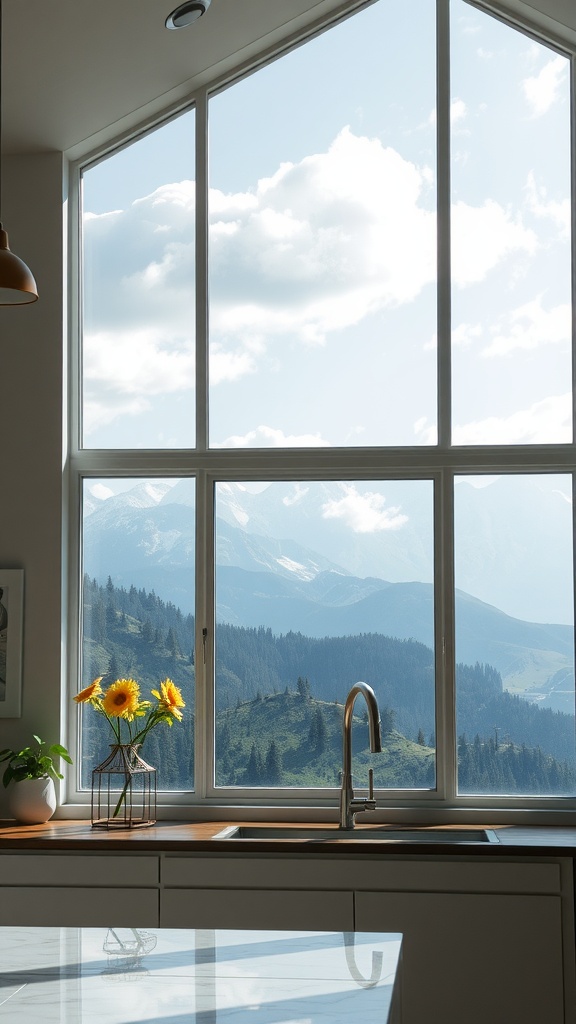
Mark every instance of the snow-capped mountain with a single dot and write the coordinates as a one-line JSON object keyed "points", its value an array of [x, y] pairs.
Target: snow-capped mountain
{"points": [[282, 562]]}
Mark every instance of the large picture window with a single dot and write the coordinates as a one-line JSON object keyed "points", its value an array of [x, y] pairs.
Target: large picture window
{"points": [[324, 419]]}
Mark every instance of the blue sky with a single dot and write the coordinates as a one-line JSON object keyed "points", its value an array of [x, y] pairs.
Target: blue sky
{"points": [[323, 249]]}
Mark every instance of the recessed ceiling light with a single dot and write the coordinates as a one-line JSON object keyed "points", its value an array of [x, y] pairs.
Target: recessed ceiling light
{"points": [[186, 13]]}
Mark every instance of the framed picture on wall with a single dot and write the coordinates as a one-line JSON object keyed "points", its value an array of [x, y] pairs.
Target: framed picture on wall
{"points": [[11, 620]]}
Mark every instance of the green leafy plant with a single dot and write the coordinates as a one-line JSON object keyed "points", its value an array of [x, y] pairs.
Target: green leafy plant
{"points": [[32, 763]]}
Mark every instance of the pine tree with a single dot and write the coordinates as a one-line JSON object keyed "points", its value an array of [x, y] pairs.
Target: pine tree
{"points": [[273, 765], [147, 631], [387, 720], [303, 687], [254, 767]]}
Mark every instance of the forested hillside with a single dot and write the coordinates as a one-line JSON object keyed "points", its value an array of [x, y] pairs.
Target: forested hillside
{"points": [[279, 704]]}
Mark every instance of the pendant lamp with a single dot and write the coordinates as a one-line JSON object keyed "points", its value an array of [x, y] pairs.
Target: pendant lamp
{"points": [[17, 285]]}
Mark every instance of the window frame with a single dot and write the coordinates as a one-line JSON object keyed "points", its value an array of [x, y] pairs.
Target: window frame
{"points": [[440, 463]]}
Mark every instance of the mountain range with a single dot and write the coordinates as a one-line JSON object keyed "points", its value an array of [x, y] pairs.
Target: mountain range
{"points": [[267, 576]]}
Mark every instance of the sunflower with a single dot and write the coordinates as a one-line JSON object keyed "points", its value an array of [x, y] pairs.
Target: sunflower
{"points": [[121, 699], [89, 692], [170, 698]]}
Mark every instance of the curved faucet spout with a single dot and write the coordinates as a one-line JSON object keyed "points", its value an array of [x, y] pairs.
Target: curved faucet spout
{"points": [[349, 804]]}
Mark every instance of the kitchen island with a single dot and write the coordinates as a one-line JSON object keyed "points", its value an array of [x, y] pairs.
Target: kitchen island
{"points": [[127, 975]]}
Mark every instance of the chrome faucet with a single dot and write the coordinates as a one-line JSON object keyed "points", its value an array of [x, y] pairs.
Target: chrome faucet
{"points": [[349, 804]]}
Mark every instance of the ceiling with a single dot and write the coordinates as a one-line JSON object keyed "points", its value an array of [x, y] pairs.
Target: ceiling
{"points": [[73, 68], [78, 72]]}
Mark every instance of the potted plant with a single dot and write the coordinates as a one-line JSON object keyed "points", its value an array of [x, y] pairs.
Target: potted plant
{"points": [[32, 798]]}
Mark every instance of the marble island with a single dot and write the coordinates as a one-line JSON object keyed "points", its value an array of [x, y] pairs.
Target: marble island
{"points": [[210, 976]]}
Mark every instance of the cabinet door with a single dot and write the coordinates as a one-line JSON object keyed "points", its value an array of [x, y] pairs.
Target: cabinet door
{"points": [[257, 908], [74, 908], [473, 958]]}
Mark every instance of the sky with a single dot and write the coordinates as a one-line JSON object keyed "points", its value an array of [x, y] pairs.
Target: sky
{"points": [[322, 249]]}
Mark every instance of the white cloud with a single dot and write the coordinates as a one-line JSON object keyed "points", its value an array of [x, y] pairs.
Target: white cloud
{"points": [[530, 327], [298, 493], [229, 365], [124, 370], [313, 249], [458, 111], [138, 362], [542, 90], [425, 432], [364, 513], [558, 211], [269, 437], [544, 422], [100, 491], [482, 237], [328, 241], [464, 334]]}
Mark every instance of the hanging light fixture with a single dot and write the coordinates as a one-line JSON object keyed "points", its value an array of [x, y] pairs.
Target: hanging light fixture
{"points": [[17, 285]]}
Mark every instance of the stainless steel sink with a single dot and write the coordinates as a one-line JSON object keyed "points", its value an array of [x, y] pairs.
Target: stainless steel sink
{"points": [[381, 835]]}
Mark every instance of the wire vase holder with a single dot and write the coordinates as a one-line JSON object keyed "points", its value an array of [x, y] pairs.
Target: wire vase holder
{"points": [[123, 790]]}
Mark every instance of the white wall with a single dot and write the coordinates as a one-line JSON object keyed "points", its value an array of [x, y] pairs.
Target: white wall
{"points": [[31, 347]]}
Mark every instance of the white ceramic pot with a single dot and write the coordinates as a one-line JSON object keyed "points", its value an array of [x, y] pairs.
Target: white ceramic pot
{"points": [[32, 801]]}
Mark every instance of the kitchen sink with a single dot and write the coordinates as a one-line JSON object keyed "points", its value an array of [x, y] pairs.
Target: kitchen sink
{"points": [[381, 835]]}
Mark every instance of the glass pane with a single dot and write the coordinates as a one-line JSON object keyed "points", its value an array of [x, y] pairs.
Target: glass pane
{"points": [[319, 585], [138, 292], [515, 635], [138, 612], [511, 262], [322, 240]]}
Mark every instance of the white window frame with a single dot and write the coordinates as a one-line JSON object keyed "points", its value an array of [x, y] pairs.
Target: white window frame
{"points": [[439, 463]]}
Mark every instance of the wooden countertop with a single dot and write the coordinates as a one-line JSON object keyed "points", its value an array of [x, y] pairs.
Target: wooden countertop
{"points": [[174, 836]]}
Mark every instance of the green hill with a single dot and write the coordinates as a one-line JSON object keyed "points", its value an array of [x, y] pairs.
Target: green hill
{"points": [[279, 705]]}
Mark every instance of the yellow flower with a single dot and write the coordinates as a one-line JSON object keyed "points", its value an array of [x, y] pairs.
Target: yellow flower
{"points": [[121, 699], [170, 698], [94, 690]]}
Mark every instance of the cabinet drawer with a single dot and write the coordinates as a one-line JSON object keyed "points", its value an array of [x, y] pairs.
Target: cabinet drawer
{"points": [[431, 874], [66, 908], [259, 872], [78, 870], [257, 908]]}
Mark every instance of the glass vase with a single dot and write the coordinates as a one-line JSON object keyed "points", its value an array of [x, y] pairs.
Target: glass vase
{"points": [[123, 790]]}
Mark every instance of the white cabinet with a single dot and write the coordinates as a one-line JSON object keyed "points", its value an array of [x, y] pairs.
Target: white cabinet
{"points": [[77, 907], [253, 892], [290, 909], [72, 890], [474, 957], [486, 938]]}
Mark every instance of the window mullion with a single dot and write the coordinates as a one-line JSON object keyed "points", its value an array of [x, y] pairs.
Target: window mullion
{"points": [[204, 603], [446, 743], [204, 652], [443, 220], [201, 223], [444, 511]]}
